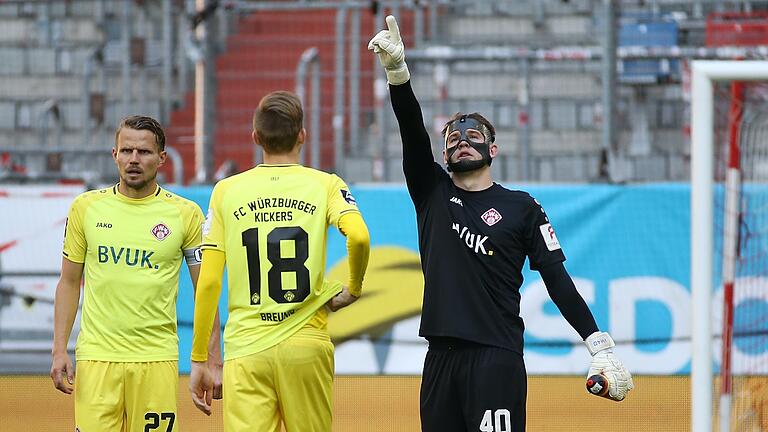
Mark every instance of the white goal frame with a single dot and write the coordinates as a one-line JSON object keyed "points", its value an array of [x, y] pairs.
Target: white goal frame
{"points": [[703, 74]]}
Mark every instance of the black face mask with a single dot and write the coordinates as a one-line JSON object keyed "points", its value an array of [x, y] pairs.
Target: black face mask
{"points": [[484, 148]]}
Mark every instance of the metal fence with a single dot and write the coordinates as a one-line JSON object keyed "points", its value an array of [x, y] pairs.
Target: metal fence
{"points": [[574, 91]]}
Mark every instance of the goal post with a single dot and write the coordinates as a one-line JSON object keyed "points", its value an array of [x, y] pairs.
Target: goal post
{"points": [[704, 74]]}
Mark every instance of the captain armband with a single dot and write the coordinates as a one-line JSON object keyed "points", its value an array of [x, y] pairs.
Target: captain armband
{"points": [[193, 256]]}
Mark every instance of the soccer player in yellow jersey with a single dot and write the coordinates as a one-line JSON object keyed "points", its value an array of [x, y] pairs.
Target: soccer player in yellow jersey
{"points": [[129, 240], [270, 224]]}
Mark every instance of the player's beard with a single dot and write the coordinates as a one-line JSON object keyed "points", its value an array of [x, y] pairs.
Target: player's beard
{"points": [[466, 164], [139, 183]]}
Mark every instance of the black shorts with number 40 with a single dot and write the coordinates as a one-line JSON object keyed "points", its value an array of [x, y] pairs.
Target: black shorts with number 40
{"points": [[472, 387]]}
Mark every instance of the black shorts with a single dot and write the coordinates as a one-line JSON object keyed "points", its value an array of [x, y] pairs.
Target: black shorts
{"points": [[472, 387]]}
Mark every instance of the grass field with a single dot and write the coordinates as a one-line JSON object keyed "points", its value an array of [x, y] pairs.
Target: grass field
{"points": [[388, 403]]}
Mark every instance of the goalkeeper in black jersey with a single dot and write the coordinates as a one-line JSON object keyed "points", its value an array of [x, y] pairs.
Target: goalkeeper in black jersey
{"points": [[474, 237]]}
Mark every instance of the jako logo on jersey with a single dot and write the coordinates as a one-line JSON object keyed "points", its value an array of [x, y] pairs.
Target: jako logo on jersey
{"points": [[548, 233], [473, 241], [131, 257], [491, 216], [347, 195], [457, 201], [161, 231], [103, 225]]}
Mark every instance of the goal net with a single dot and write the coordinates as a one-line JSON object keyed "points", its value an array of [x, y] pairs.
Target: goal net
{"points": [[729, 246], [741, 253]]}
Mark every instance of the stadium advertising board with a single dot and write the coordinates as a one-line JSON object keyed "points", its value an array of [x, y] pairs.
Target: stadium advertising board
{"points": [[627, 248]]}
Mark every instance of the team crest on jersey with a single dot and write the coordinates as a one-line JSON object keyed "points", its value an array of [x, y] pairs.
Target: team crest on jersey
{"points": [[491, 217], [347, 195], [161, 231]]}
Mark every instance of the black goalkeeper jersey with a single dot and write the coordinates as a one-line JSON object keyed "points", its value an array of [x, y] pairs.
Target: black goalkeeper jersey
{"points": [[473, 245]]}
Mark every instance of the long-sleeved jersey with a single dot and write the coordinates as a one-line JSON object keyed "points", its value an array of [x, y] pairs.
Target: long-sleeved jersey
{"points": [[473, 245]]}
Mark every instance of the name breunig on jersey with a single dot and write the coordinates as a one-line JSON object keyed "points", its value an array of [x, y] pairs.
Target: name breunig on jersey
{"points": [[276, 316], [473, 241], [548, 233]]}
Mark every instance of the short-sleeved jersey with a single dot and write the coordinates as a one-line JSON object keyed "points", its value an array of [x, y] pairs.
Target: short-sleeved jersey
{"points": [[132, 250], [473, 245], [272, 224]]}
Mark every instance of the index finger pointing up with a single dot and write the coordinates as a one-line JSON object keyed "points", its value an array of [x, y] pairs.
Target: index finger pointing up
{"points": [[394, 30]]}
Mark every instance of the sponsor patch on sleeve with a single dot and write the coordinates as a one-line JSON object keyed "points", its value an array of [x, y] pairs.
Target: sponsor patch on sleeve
{"points": [[347, 195], [207, 223], [548, 233]]}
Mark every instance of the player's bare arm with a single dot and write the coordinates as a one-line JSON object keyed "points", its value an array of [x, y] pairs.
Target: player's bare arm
{"points": [[65, 310], [201, 386], [341, 300]]}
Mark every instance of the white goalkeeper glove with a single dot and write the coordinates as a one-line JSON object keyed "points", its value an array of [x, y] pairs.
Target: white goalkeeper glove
{"points": [[605, 363], [389, 46]]}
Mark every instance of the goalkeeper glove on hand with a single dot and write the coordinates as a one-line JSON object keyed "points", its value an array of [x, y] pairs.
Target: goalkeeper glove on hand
{"points": [[389, 46], [605, 364]]}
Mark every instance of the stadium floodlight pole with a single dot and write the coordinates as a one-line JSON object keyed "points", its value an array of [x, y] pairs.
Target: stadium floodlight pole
{"points": [[177, 162], [205, 97], [167, 73], [310, 57], [379, 94], [354, 80], [703, 74], [524, 121], [338, 93], [125, 34], [609, 86], [87, 77]]}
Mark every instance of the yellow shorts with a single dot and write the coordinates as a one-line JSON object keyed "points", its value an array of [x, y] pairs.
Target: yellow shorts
{"points": [[126, 397], [292, 382]]}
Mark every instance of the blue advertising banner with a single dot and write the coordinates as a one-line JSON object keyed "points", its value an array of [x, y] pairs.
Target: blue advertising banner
{"points": [[627, 249]]}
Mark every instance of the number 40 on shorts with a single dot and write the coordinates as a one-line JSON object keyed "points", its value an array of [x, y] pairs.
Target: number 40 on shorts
{"points": [[496, 421]]}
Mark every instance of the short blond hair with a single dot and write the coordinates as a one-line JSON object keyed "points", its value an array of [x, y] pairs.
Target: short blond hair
{"points": [[139, 122], [278, 120]]}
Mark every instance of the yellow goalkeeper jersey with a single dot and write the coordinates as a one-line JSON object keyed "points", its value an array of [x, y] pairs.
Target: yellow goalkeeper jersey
{"points": [[272, 223], [132, 250]]}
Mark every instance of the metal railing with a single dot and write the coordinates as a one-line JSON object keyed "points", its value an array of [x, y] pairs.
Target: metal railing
{"points": [[92, 165]]}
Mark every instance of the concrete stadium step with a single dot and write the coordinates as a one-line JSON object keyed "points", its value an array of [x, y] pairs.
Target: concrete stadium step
{"points": [[65, 30]]}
